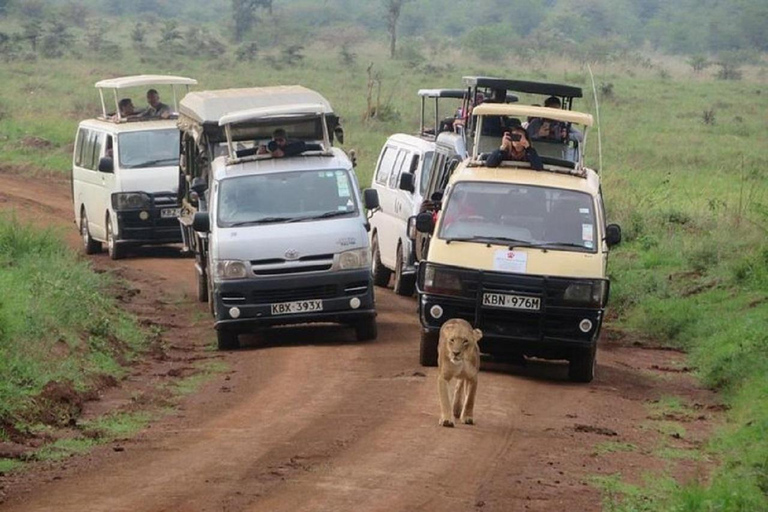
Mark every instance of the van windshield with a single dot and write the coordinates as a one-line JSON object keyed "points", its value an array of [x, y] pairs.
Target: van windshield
{"points": [[151, 148], [285, 197], [520, 216], [426, 166]]}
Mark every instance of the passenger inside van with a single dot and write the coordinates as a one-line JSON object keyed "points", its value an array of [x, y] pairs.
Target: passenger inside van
{"points": [[280, 146], [549, 129], [156, 108], [126, 109]]}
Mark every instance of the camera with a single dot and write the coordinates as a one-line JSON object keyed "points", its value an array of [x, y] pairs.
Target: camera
{"points": [[515, 137], [272, 146]]}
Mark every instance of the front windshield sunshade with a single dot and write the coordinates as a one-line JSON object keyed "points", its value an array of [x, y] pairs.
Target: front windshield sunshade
{"points": [[285, 197], [519, 216], [152, 148]]}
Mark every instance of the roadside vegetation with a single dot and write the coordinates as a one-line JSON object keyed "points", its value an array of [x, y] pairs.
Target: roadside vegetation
{"points": [[62, 336], [684, 174]]}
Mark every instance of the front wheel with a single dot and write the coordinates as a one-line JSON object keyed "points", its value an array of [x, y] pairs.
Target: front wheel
{"points": [[90, 245], [116, 251], [366, 330], [581, 365], [428, 348], [380, 273], [227, 340]]}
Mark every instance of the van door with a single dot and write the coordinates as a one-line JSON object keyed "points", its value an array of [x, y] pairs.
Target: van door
{"points": [[379, 221], [105, 184], [389, 229], [87, 181]]}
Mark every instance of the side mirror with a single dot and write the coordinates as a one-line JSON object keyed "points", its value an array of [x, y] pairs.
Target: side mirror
{"points": [[425, 223], [407, 182], [411, 231], [199, 185], [436, 197], [107, 164], [371, 198], [201, 222], [612, 235]]}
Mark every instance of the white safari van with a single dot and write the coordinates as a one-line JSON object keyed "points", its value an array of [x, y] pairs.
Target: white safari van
{"points": [[400, 180], [125, 172], [518, 252], [279, 239]]}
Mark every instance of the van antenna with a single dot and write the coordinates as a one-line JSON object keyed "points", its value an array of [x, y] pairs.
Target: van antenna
{"points": [[597, 114]]}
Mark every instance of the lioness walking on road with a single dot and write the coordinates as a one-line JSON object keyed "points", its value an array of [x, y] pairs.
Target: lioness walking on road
{"points": [[458, 357]]}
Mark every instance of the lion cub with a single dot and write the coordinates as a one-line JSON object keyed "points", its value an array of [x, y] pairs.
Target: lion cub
{"points": [[458, 357]]}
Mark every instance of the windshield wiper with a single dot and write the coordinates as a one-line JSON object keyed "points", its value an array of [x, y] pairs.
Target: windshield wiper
{"points": [[562, 244], [326, 215], [150, 163], [502, 240], [265, 220]]}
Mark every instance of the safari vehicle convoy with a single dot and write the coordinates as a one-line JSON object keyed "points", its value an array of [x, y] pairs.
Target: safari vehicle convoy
{"points": [[520, 243], [125, 169], [273, 212]]}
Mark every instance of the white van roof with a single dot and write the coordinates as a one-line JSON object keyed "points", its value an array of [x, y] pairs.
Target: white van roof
{"points": [[135, 126], [144, 80], [404, 139], [498, 109]]}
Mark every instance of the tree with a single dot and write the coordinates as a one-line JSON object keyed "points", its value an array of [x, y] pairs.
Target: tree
{"points": [[244, 15], [139, 34], [32, 31], [392, 10]]}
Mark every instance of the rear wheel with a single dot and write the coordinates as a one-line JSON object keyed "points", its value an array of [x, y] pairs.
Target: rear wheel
{"points": [[116, 251], [404, 284], [90, 245], [581, 365], [380, 273], [227, 340], [428, 348], [366, 330]]}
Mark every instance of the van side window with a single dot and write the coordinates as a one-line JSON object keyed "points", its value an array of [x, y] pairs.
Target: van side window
{"points": [[386, 163], [87, 155], [402, 161], [97, 143], [82, 134]]}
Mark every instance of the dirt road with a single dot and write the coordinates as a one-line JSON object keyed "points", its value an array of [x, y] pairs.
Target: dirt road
{"points": [[309, 419]]}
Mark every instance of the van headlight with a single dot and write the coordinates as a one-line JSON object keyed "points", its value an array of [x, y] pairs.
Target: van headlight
{"points": [[356, 258], [229, 269], [131, 201], [587, 293], [442, 281]]}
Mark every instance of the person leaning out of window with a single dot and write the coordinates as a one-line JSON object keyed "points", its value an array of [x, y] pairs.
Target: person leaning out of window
{"points": [[515, 147]]}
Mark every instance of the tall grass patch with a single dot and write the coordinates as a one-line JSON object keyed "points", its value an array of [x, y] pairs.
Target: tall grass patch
{"points": [[60, 332]]}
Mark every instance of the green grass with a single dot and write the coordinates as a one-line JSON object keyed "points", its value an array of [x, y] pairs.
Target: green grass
{"points": [[613, 447], [116, 426], [64, 448], [57, 324], [206, 371], [9, 466]]}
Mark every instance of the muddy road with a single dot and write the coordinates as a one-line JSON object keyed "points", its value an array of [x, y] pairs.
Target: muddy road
{"points": [[308, 419]]}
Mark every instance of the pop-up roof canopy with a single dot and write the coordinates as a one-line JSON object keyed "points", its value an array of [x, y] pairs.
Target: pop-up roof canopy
{"points": [[144, 80], [208, 107], [278, 112], [568, 116], [549, 89], [116, 84]]}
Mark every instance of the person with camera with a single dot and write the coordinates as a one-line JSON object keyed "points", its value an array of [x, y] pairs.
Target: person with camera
{"points": [[516, 147], [549, 129], [279, 146]]}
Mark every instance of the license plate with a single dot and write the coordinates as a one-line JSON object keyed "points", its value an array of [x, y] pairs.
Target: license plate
{"points": [[167, 213], [500, 300], [300, 306]]}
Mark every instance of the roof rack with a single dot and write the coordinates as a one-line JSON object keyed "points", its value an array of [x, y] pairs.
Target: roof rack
{"points": [[125, 82], [273, 116], [524, 86], [437, 95], [568, 116]]}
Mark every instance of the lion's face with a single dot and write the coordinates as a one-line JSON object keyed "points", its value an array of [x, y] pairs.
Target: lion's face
{"points": [[459, 338]]}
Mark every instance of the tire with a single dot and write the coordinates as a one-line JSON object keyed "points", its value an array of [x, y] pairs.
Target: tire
{"points": [[116, 251], [428, 348], [404, 285], [227, 340], [202, 285], [90, 245], [380, 273], [366, 330], [581, 366]]}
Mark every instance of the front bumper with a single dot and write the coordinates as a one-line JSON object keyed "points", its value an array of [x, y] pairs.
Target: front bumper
{"points": [[254, 299], [551, 332], [155, 229]]}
